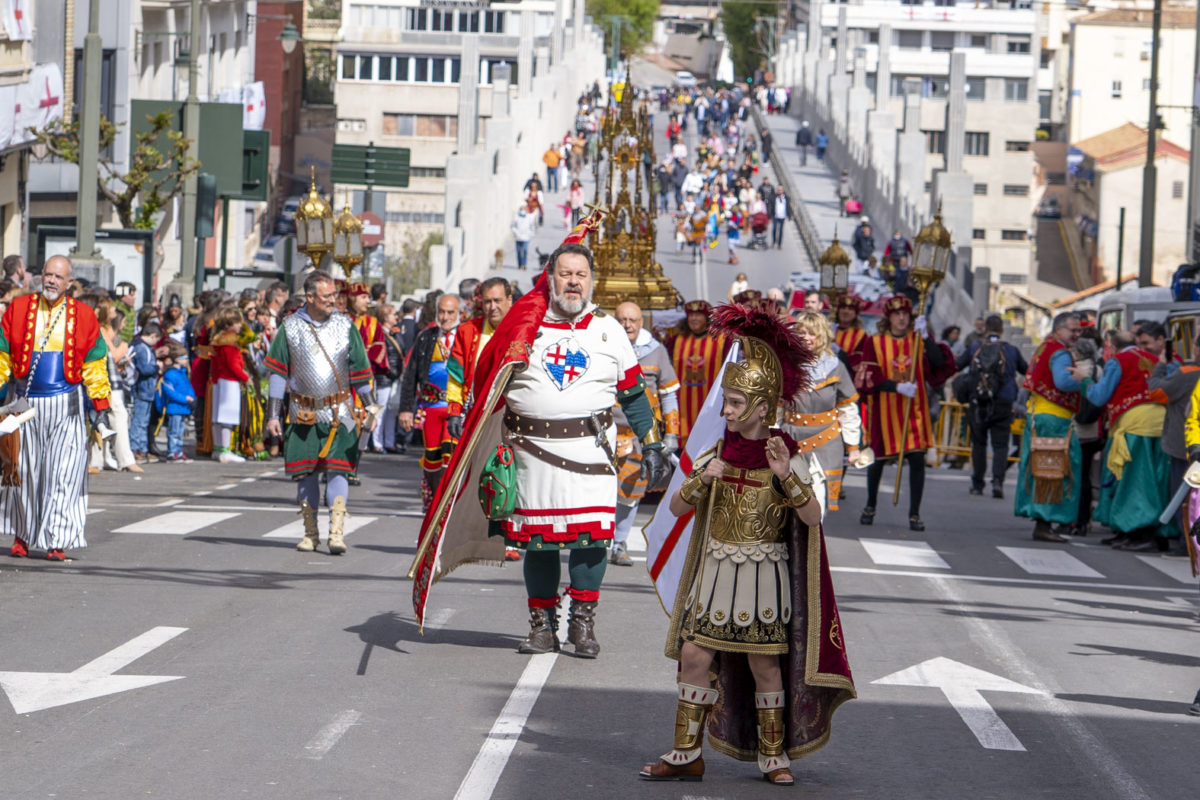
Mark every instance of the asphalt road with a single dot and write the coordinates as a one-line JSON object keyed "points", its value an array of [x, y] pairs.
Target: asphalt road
{"points": [[303, 676]]}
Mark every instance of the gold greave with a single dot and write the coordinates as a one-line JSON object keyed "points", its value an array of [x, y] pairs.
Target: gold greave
{"points": [[337, 516], [311, 536], [690, 715], [769, 708]]}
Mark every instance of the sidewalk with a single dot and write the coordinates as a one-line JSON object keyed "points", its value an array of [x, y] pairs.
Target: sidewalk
{"points": [[817, 184]]}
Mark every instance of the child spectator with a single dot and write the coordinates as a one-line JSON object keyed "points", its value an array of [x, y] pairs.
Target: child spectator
{"points": [[228, 374], [176, 398], [145, 368]]}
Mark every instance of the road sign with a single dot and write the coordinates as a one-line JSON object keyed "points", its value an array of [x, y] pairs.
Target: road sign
{"points": [[372, 233], [256, 166], [217, 121], [37, 691], [962, 684], [368, 165]]}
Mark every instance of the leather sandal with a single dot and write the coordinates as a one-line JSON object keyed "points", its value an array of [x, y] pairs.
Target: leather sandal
{"points": [[662, 771], [780, 777]]}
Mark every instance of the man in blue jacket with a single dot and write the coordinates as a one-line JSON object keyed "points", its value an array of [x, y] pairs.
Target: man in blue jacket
{"points": [[991, 385]]}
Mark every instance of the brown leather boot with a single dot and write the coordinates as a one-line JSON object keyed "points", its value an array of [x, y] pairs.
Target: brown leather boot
{"points": [[772, 756], [684, 762], [581, 629], [311, 537], [543, 632]]}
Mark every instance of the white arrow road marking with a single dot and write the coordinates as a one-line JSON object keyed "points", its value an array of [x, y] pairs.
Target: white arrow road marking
{"points": [[37, 691], [331, 734], [962, 685], [889, 552], [295, 528], [1049, 562]]}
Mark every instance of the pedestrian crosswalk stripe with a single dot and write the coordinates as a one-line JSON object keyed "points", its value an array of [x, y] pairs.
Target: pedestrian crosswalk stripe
{"points": [[295, 528], [903, 554], [1179, 569], [1049, 562], [176, 523]]}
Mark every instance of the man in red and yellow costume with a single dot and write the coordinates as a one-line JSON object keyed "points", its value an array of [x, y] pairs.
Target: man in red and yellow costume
{"points": [[697, 355], [358, 299], [50, 345], [891, 370], [848, 330]]}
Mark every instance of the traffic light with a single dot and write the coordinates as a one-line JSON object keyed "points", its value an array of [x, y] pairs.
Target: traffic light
{"points": [[206, 204]]}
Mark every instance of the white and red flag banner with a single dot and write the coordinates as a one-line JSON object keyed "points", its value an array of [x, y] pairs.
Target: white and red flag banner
{"points": [[254, 106], [17, 23], [667, 536]]}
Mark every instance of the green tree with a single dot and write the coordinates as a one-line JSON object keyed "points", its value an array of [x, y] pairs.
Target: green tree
{"points": [[745, 46], [640, 14], [324, 9], [158, 165], [411, 269]]}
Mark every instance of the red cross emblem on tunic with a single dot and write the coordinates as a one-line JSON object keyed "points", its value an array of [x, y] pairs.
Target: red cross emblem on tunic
{"points": [[564, 361], [741, 481]]}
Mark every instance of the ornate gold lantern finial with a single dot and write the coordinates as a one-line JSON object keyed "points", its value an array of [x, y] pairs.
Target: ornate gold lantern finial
{"points": [[347, 241], [314, 224], [834, 267], [931, 252]]}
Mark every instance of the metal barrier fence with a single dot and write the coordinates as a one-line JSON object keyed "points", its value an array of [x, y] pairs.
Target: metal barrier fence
{"points": [[953, 436]]}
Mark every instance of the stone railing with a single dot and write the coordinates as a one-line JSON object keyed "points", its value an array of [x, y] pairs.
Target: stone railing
{"points": [[798, 209]]}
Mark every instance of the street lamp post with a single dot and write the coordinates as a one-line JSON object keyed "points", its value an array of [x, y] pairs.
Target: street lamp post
{"points": [[1150, 172], [89, 139], [191, 131], [347, 241], [314, 225], [834, 266]]}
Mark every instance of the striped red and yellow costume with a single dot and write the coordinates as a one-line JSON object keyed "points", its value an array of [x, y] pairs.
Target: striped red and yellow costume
{"points": [[882, 358], [697, 359]]}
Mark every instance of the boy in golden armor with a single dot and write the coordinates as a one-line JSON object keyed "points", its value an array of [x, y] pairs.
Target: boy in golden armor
{"points": [[755, 601]]}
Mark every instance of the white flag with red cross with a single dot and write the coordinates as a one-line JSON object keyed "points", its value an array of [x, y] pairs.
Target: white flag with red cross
{"points": [[17, 23], [667, 536]]}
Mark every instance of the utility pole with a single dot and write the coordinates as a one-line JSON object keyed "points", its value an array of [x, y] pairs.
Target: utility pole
{"points": [[89, 139], [188, 268], [1150, 175]]}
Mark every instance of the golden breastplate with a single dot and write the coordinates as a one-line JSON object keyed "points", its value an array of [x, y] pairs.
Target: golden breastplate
{"points": [[746, 508]]}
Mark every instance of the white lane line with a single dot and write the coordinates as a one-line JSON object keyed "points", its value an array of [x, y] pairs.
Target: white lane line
{"points": [[492, 757], [1180, 569], [204, 493], [1049, 562], [251, 479], [225, 486], [329, 736], [174, 501], [888, 552], [1184, 602], [295, 528], [176, 523], [941, 576]]}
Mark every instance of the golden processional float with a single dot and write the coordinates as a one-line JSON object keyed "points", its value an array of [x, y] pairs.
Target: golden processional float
{"points": [[623, 246]]}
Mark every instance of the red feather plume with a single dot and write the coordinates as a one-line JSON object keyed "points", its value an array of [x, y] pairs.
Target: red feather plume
{"points": [[762, 321]]}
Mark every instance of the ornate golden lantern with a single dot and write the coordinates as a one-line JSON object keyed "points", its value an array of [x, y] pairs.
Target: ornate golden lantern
{"points": [[314, 225], [931, 257], [834, 266], [347, 241]]}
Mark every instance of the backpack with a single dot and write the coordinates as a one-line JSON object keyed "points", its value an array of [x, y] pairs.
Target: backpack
{"points": [[988, 367]]}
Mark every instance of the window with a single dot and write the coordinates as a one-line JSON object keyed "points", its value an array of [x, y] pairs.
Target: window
{"points": [[398, 124], [909, 40], [352, 125], [493, 21], [1145, 84], [427, 172], [366, 68], [1012, 236], [468, 21], [1012, 278], [1045, 98], [1016, 90], [981, 189], [934, 87], [385, 68], [1016, 190], [1116, 88], [1018, 44], [402, 71], [349, 66], [1016, 147], [1176, 190], [437, 126], [421, 74], [979, 234], [977, 143], [873, 36], [1047, 57], [941, 41], [935, 142], [980, 40], [976, 88], [439, 70]]}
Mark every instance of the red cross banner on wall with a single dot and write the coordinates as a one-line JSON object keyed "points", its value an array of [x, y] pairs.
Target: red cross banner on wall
{"points": [[17, 22], [35, 104]]}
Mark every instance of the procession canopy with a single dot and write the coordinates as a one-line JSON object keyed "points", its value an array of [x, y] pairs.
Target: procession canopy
{"points": [[624, 244]]}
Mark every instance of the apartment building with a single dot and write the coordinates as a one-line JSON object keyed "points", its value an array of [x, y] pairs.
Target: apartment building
{"points": [[1001, 46], [399, 64]]}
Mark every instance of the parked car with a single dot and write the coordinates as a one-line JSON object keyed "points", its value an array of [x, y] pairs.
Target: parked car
{"points": [[685, 79], [1050, 208]]}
